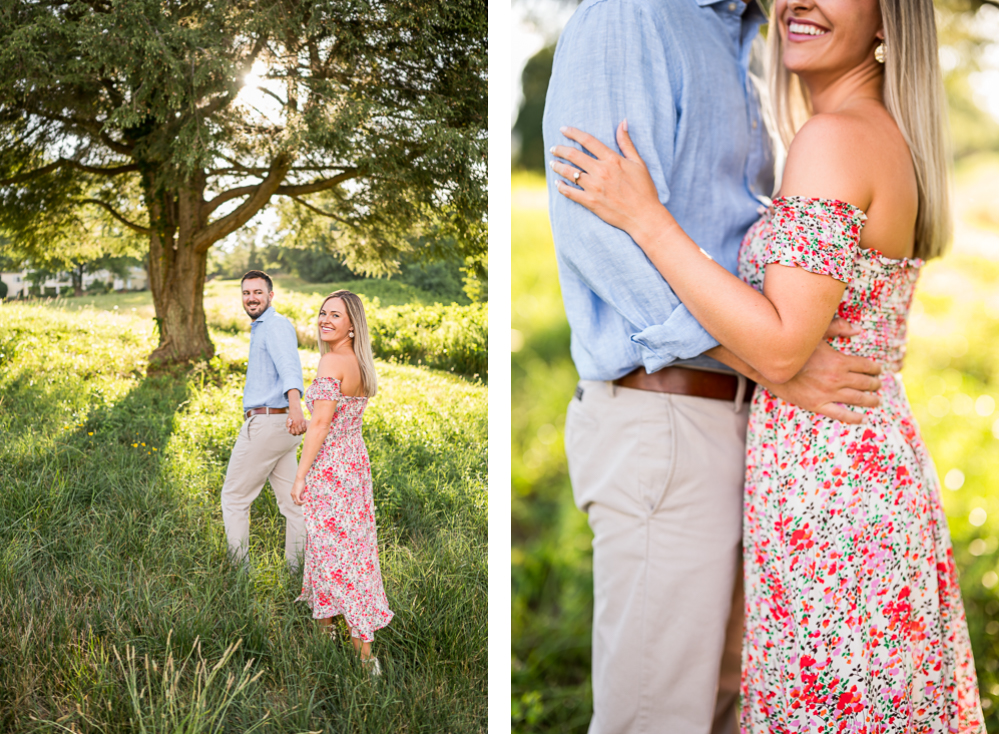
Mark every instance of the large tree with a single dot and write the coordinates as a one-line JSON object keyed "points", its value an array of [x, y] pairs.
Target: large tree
{"points": [[181, 120]]}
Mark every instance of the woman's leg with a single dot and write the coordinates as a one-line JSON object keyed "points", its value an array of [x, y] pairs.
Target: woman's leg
{"points": [[364, 649]]}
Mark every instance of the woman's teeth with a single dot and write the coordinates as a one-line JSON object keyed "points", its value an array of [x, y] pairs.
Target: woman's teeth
{"points": [[805, 30]]}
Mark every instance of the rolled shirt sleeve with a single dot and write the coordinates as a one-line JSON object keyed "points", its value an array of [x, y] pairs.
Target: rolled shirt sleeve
{"points": [[622, 60], [283, 348]]}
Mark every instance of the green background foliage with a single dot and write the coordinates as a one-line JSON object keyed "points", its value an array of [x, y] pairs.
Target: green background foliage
{"points": [[407, 324], [113, 568], [951, 378]]}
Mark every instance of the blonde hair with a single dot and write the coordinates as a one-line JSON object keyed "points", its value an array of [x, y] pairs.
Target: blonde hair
{"points": [[913, 94], [362, 343]]}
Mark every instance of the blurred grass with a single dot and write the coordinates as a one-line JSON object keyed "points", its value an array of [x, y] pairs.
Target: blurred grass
{"points": [[951, 378], [113, 567]]}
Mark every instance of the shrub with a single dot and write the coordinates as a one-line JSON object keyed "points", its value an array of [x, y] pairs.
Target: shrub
{"points": [[445, 337], [450, 338]]}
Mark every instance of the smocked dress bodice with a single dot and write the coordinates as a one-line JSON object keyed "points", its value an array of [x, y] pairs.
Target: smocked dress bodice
{"points": [[822, 236], [347, 419]]}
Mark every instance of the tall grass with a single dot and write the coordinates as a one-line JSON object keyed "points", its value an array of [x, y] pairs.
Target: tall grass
{"points": [[951, 378], [119, 610]]}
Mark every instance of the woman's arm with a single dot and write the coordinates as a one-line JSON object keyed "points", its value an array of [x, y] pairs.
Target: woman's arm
{"points": [[776, 332], [319, 426]]}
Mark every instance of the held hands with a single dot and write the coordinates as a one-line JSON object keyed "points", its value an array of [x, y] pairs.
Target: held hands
{"points": [[830, 380], [299, 491], [296, 423], [617, 189]]}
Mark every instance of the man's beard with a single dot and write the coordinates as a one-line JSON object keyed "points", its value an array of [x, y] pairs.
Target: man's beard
{"points": [[262, 305]]}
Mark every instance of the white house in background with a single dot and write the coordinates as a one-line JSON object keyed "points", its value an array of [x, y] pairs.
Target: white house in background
{"points": [[135, 280], [17, 283]]}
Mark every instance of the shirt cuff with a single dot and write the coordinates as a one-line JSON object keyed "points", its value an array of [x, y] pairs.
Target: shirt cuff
{"points": [[292, 386], [679, 337]]}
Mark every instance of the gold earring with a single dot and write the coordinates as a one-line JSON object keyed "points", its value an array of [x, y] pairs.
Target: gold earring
{"points": [[880, 53]]}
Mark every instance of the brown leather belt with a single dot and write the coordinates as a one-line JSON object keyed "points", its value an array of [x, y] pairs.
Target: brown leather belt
{"points": [[264, 411], [683, 381]]}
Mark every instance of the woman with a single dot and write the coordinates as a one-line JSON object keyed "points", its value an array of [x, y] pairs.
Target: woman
{"points": [[854, 620], [334, 481]]}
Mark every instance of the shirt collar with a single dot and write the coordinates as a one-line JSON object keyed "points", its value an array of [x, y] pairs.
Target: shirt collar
{"points": [[753, 6], [267, 313]]}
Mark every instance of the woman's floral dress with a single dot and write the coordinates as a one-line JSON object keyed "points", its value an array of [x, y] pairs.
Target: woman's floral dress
{"points": [[854, 620], [341, 574]]}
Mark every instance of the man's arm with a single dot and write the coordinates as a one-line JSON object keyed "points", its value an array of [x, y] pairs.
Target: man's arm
{"points": [[612, 63], [283, 348], [828, 381]]}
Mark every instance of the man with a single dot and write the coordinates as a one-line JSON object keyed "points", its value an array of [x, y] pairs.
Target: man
{"points": [[273, 425], [655, 433]]}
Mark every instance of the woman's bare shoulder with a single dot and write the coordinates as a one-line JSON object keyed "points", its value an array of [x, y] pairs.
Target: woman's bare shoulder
{"points": [[336, 365], [825, 161], [845, 156]]}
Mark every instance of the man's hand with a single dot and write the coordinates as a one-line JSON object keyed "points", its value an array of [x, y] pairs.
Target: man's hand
{"points": [[830, 378], [296, 423]]}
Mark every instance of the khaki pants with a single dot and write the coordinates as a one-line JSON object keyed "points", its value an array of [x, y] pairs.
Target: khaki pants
{"points": [[264, 450], [661, 479]]}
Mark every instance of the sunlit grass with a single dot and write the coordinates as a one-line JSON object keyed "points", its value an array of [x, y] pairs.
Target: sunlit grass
{"points": [[406, 324], [113, 565]]}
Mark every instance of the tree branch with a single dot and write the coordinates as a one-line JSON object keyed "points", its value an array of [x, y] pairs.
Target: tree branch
{"points": [[116, 215], [319, 211], [218, 229], [225, 196], [93, 127], [21, 177], [322, 185]]}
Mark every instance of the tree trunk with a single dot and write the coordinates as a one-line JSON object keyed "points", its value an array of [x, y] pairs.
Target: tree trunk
{"points": [[180, 239], [76, 275], [177, 276]]}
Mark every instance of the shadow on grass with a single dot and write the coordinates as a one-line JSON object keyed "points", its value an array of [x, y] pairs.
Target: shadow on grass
{"points": [[112, 546]]}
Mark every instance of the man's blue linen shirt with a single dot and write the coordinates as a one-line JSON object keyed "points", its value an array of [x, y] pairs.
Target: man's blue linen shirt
{"points": [[274, 367], [678, 71]]}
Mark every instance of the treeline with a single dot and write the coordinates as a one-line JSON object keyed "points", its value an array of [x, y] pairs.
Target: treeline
{"points": [[447, 279]]}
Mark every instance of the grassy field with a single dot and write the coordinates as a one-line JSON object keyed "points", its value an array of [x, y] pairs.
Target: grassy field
{"points": [[951, 378], [118, 608], [407, 325]]}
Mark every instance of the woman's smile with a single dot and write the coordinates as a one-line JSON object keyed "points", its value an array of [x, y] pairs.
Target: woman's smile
{"points": [[805, 30]]}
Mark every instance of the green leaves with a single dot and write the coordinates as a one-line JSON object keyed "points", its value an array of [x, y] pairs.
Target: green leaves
{"points": [[394, 90]]}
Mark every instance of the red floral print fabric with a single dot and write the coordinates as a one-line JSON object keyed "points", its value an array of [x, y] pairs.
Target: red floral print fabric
{"points": [[854, 617], [342, 573]]}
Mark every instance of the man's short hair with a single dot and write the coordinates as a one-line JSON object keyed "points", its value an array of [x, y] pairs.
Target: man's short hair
{"points": [[258, 274]]}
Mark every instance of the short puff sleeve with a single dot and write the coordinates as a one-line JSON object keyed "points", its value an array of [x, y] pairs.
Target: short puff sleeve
{"points": [[818, 235], [323, 388]]}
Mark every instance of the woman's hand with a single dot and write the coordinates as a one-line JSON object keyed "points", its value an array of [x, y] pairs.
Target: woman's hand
{"points": [[617, 189], [299, 491]]}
